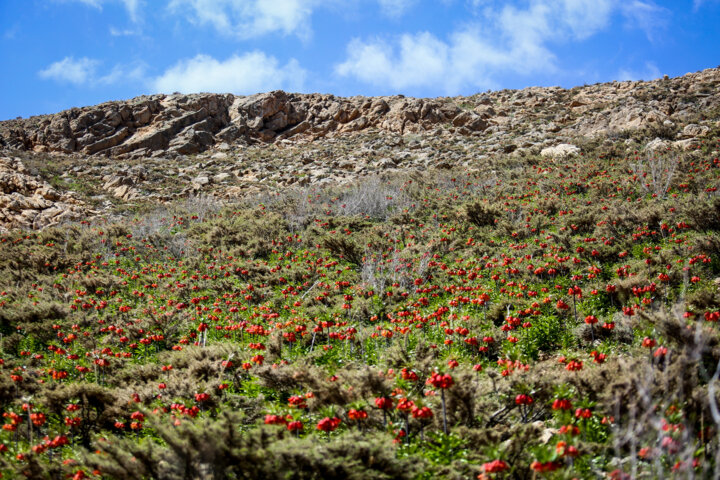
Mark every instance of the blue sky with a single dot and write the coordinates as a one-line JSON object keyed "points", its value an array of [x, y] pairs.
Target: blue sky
{"points": [[57, 54]]}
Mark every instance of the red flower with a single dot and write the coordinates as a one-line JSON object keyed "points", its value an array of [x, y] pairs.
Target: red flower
{"points": [[383, 403], [440, 381], [545, 466], [357, 415], [405, 405], [295, 426], [575, 291], [274, 420], [660, 352], [297, 401], [563, 449], [583, 413], [328, 424], [495, 466], [38, 419], [574, 365], [648, 342], [571, 430], [202, 397], [523, 399], [409, 375], [598, 357], [423, 412]]}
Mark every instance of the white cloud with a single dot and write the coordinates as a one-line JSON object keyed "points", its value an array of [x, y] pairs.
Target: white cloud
{"points": [[647, 16], [78, 72], [699, 3], [115, 32], [421, 61], [650, 72], [134, 73], [132, 6], [11, 32], [250, 73], [84, 71], [395, 8], [502, 38], [250, 18], [587, 18], [92, 3]]}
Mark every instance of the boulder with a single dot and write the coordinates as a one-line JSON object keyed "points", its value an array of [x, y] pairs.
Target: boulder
{"points": [[657, 145], [692, 131], [560, 151]]}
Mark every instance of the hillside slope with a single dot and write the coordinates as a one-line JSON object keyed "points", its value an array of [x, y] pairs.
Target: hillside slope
{"points": [[180, 146], [530, 298]]}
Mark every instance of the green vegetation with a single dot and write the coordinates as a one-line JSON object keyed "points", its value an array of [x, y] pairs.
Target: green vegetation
{"points": [[557, 319]]}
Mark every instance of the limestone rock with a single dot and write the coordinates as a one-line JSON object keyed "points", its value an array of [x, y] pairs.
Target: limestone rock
{"points": [[28, 202], [692, 130], [200, 181], [563, 150], [657, 145]]}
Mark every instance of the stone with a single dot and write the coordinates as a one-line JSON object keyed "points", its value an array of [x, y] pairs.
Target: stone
{"points": [[142, 116], [687, 144], [657, 145], [560, 151], [693, 130], [471, 121], [125, 192], [201, 180], [221, 177]]}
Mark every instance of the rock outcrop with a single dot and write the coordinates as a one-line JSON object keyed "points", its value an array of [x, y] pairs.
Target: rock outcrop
{"points": [[187, 124], [190, 124], [30, 203]]}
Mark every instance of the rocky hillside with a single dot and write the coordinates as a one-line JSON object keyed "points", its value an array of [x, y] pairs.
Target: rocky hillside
{"points": [[187, 124], [226, 145]]}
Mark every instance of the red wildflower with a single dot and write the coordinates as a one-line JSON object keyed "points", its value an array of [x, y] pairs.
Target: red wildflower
{"points": [[328, 424], [495, 466], [383, 403], [440, 381]]}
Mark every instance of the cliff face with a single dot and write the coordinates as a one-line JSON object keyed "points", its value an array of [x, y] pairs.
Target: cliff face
{"points": [[188, 124], [94, 160]]}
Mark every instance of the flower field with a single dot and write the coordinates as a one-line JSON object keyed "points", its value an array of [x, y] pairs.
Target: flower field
{"points": [[553, 319]]}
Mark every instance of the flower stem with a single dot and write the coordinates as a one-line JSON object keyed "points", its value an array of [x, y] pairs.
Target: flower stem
{"points": [[442, 396]]}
